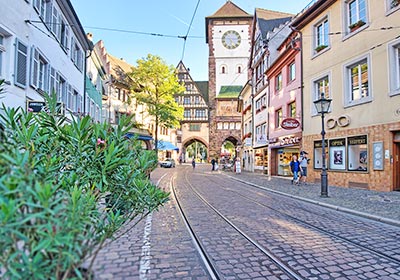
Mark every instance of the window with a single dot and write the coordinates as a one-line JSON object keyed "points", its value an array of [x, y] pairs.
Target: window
{"points": [[321, 35], [357, 78], [356, 13], [200, 113], [21, 64], [337, 154], [39, 71], [76, 54], [61, 88], [278, 118], [186, 100], [44, 9], [186, 114], [2, 50], [357, 153], [63, 35], [393, 4], [223, 69], [197, 100], [321, 86], [394, 67], [55, 22], [239, 69], [292, 71], [278, 82], [292, 109], [194, 127]]}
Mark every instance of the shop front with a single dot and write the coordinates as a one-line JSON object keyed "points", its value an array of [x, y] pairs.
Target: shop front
{"points": [[282, 150], [261, 159], [366, 158]]}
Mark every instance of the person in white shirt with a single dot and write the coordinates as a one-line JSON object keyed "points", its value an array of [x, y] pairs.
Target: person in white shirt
{"points": [[303, 165]]}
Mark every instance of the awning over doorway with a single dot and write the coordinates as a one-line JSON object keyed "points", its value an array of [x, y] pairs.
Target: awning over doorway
{"points": [[166, 146]]}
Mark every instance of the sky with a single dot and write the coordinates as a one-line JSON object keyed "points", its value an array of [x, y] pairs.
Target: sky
{"points": [[125, 25]]}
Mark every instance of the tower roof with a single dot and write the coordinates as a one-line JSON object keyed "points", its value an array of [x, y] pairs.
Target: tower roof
{"points": [[229, 9]]}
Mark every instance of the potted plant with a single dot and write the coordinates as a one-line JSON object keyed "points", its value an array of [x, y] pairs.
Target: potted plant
{"points": [[320, 48], [356, 25]]}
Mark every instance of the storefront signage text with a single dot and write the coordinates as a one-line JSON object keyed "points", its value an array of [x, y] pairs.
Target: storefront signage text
{"points": [[357, 140], [290, 123], [289, 141]]}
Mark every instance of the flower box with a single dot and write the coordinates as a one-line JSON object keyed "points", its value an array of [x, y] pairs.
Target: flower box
{"points": [[356, 25], [320, 48]]}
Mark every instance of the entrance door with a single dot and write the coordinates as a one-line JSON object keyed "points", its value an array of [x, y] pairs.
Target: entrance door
{"points": [[396, 166]]}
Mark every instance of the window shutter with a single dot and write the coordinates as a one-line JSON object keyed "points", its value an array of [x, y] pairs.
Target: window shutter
{"points": [[34, 67], [72, 50], [52, 81], [21, 59]]}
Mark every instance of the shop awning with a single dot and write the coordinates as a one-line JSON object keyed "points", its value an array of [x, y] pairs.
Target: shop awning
{"points": [[166, 146], [139, 136]]}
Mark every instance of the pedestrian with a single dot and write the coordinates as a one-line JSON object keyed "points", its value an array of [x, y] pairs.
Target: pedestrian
{"points": [[303, 166], [295, 167], [194, 163], [212, 164]]}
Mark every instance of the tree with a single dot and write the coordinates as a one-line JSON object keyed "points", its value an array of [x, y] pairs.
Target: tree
{"points": [[154, 85]]}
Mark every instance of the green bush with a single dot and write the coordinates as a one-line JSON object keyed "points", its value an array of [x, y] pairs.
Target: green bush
{"points": [[66, 188]]}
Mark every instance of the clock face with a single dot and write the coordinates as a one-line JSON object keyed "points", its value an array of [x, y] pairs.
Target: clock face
{"points": [[231, 39]]}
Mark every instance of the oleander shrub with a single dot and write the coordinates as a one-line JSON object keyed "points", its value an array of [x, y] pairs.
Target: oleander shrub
{"points": [[65, 189]]}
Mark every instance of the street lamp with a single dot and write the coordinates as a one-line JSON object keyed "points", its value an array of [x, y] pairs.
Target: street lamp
{"points": [[322, 105]]}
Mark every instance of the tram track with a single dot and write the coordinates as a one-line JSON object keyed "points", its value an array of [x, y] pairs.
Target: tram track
{"points": [[211, 266], [358, 251], [324, 231], [379, 253]]}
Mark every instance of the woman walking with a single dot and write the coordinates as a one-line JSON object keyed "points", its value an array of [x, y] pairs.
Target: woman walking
{"points": [[295, 167]]}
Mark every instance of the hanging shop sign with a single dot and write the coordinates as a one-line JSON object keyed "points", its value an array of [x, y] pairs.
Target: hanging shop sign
{"points": [[290, 123]]}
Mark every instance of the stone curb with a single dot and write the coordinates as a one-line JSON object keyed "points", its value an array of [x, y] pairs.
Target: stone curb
{"points": [[334, 207]]}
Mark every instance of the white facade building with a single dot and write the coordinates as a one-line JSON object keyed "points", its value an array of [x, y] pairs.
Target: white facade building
{"points": [[42, 50]]}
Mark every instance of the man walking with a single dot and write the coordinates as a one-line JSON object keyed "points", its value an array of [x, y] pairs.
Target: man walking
{"points": [[303, 166], [213, 164]]}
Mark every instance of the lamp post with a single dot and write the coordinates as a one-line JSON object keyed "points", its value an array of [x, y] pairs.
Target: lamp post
{"points": [[322, 105]]}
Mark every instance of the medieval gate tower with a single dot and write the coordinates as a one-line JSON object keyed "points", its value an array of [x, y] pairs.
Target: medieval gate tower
{"points": [[228, 39]]}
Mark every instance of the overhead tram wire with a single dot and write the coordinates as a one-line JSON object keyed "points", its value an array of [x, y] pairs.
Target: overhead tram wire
{"points": [[187, 33]]}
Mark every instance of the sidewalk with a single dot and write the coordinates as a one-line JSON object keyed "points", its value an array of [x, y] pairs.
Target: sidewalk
{"points": [[381, 206]]}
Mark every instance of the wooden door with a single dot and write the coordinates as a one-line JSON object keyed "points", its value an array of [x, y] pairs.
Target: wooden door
{"points": [[396, 166]]}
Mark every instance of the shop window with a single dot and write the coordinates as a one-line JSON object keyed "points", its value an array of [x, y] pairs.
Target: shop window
{"points": [[219, 125], [357, 153], [226, 125], [337, 153], [318, 153]]}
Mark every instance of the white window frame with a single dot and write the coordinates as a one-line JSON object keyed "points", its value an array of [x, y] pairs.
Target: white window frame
{"points": [[2, 51], [321, 39], [40, 70], [316, 92], [394, 67], [390, 7], [357, 15], [292, 71], [348, 99], [21, 64]]}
